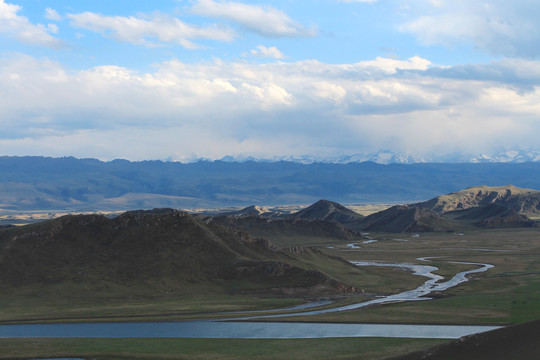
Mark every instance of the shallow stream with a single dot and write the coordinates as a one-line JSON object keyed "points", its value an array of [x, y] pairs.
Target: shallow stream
{"points": [[234, 328], [432, 284]]}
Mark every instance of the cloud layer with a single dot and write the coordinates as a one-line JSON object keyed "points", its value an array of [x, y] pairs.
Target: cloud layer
{"points": [[271, 95], [498, 27], [306, 107]]}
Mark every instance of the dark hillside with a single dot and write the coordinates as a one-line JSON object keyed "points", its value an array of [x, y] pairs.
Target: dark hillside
{"points": [[482, 212], [493, 216], [286, 231], [403, 218], [164, 250], [513, 342], [328, 211]]}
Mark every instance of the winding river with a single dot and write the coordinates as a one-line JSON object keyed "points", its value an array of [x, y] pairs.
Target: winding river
{"points": [[234, 328], [432, 284]]}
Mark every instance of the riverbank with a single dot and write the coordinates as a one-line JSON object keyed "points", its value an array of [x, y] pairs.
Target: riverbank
{"points": [[218, 349]]}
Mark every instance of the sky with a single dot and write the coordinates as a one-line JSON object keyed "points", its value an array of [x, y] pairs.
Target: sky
{"points": [[182, 80]]}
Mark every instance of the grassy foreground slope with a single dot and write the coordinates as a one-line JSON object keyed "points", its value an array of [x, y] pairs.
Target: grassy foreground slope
{"points": [[204, 349], [143, 262], [513, 342]]}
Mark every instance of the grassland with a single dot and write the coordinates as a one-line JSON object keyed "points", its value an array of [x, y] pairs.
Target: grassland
{"points": [[509, 293], [203, 349]]}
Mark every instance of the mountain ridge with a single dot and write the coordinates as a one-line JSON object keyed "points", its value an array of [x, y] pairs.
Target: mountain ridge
{"points": [[517, 199], [479, 206], [475, 207], [38, 183], [386, 157]]}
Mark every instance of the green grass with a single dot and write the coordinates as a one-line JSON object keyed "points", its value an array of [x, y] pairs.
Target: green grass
{"points": [[202, 349], [508, 293], [31, 306]]}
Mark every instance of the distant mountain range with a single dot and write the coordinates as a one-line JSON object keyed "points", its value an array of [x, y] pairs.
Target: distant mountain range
{"points": [[51, 184], [390, 157]]}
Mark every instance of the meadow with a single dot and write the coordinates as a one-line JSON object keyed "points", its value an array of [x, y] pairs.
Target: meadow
{"points": [[509, 293]]}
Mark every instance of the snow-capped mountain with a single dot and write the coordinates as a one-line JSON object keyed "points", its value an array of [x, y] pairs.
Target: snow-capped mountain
{"points": [[389, 157], [512, 156]]}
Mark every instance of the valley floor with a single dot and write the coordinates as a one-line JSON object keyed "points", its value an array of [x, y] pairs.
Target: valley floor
{"points": [[509, 293]]}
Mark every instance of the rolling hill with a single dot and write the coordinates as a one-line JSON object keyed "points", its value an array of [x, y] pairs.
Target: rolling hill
{"points": [[404, 218], [161, 251], [480, 207], [524, 201], [290, 231], [324, 221], [328, 211]]}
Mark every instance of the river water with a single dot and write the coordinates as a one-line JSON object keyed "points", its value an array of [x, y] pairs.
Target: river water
{"points": [[233, 328], [237, 330], [432, 284]]}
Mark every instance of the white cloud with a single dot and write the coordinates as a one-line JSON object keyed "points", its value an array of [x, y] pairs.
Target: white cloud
{"points": [[53, 28], [145, 30], [52, 14], [307, 107], [268, 95], [391, 66], [20, 28], [508, 28], [267, 52], [264, 20], [362, 1], [327, 90]]}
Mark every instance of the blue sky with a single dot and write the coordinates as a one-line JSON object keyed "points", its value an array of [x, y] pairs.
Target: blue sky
{"points": [[209, 78]]}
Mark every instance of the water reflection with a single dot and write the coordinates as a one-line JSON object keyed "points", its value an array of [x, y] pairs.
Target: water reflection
{"points": [[237, 330]]}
